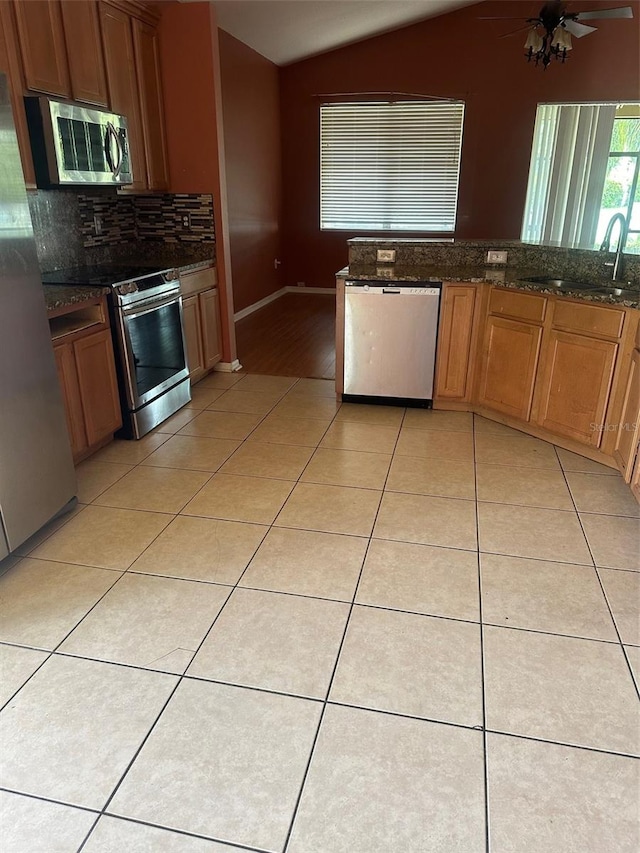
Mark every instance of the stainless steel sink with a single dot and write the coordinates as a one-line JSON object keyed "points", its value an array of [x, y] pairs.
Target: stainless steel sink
{"points": [[623, 292], [561, 283]]}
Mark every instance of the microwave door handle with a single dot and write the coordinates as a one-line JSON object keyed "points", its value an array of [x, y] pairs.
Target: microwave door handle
{"points": [[110, 138], [107, 147], [116, 136]]}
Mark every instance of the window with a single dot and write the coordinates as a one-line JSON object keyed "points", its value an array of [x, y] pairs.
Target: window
{"points": [[390, 166], [585, 167]]}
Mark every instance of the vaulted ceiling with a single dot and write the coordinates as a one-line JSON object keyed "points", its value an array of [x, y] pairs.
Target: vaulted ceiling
{"points": [[286, 31]]}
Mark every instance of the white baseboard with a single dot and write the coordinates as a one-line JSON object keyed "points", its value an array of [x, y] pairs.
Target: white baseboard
{"points": [[311, 290], [256, 306], [227, 366]]}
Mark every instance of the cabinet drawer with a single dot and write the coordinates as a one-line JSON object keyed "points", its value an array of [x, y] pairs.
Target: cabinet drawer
{"points": [[522, 306], [197, 281], [593, 319]]}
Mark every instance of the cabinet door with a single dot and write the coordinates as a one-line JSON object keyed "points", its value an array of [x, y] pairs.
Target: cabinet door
{"points": [[635, 477], [574, 390], [68, 379], [210, 318], [454, 342], [192, 325], [629, 427], [84, 51], [98, 385], [509, 363], [124, 98], [151, 105], [12, 67], [44, 55]]}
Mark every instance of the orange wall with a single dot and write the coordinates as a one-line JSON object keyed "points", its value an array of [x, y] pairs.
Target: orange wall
{"points": [[251, 115], [190, 64], [455, 55]]}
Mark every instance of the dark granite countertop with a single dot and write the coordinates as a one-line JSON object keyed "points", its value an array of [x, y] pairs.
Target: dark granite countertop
{"points": [[514, 277], [59, 296]]}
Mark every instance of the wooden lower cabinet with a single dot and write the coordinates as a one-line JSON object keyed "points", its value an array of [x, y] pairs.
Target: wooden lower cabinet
{"points": [[211, 333], [455, 341], [86, 371], [628, 432], [192, 325], [201, 320], [575, 386], [201, 323], [634, 483], [510, 356], [68, 379]]}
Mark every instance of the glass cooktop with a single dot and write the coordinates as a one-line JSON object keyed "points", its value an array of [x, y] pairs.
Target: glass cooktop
{"points": [[104, 275]]}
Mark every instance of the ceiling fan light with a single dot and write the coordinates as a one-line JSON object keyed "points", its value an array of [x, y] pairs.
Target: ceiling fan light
{"points": [[561, 39], [534, 41]]}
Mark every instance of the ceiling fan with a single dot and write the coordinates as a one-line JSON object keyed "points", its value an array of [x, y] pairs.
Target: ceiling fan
{"points": [[549, 35]]}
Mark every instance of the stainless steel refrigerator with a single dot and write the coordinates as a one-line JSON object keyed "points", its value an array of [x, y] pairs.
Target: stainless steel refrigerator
{"points": [[37, 478]]}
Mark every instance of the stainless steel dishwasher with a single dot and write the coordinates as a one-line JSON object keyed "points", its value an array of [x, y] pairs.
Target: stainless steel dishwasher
{"points": [[390, 334]]}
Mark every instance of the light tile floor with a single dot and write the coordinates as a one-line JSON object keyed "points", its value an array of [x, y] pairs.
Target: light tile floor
{"points": [[279, 625]]}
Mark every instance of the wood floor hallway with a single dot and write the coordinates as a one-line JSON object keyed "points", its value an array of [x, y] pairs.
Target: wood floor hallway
{"points": [[293, 336]]}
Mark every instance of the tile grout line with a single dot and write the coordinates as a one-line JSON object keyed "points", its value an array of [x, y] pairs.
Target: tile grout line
{"points": [[326, 701], [604, 593], [339, 651], [181, 677], [485, 757]]}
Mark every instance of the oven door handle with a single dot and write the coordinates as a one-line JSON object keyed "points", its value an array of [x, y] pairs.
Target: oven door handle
{"points": [[142, 308]]}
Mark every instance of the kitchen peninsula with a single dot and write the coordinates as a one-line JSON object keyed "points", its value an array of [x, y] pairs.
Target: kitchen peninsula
{"points": [[557, 359]]}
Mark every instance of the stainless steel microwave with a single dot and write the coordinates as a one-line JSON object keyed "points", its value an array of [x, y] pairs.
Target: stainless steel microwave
{"points": [[73, 145]]}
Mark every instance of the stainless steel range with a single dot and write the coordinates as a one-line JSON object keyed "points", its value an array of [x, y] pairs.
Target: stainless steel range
{"points": [[146, 322]]}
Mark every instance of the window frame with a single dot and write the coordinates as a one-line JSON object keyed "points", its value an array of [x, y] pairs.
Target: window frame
{"points": [[388, 187]]}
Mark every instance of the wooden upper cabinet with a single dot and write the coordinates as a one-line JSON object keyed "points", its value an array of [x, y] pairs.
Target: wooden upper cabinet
{"points": [[509, 364], [12, 67], [84, 51], [575, 386], [145, 39], [454, 342], [42, 45], [122, 81]]}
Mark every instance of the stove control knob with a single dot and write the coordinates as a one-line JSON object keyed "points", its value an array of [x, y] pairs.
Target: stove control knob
{"points": [[171, 275], [127, 287]]}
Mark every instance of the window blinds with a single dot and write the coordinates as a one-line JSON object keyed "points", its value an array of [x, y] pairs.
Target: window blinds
{"points": [[390, 166], [567, 173]]}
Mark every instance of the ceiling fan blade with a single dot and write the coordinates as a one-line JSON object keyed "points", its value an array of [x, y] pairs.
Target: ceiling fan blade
{"points": [[620, 12], [577, 29], [515, 32]]}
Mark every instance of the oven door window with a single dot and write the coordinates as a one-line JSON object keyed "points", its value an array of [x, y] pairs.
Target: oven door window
{"points": [[156, 350]]}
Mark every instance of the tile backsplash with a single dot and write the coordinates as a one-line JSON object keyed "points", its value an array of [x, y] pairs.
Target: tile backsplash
{"points": [[64, 223]]}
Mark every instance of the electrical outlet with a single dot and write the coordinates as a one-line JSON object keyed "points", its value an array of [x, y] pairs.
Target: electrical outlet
{"points": [[97, 224], [494, 257], [386, 256], [301, 283], [186, 220]]}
